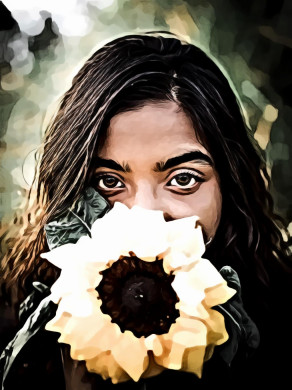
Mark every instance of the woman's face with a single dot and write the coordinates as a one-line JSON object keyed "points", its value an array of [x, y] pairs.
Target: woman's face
{"points": [[153, 159]]}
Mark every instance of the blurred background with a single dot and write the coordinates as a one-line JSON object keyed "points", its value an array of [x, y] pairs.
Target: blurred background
{"points": [[43, 43]]}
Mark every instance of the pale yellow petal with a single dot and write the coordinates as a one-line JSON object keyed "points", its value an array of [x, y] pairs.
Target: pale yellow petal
{"points": [[174, 260], [147, 258], [77, 281], [218, 294], [185, 238], [105, 365], [89, 345], [193, 360], [86, 345], [109, 231], [147, 217], [114, 218], [79, 305], [178, 227], [153, 368], [85, 325], [108, 245], [190, 297], [186, 244], [196, 284], [153, 343], [189, 332], [107, 337], [134, 359], [204, 275], [67, 254], [197, 311], [147, 234], [183, 334], [189, 339], [173, 359], [59, 322], [217, 333]]}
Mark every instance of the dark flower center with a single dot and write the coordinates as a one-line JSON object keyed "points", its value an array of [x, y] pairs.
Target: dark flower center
{"points": [[138, 296]]}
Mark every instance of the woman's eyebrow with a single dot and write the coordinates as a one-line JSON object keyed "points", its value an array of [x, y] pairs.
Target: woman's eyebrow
{"points": [[111, 164], [196, 155]]}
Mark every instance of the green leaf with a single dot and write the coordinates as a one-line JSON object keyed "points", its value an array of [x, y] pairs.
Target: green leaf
{"points": [[77, 221]]}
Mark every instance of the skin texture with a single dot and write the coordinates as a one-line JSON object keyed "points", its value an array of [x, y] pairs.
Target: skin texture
{"points": [[141, 141]]}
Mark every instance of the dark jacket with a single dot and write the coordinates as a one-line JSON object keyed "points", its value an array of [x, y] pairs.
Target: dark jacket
{"points": [[38, 361]]}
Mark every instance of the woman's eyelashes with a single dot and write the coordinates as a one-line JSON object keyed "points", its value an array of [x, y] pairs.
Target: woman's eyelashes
{"points": [[108, 182], [183, 180]]}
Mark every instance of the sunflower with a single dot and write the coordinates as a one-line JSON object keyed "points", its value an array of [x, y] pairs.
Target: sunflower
{"points": [[136, 297]]}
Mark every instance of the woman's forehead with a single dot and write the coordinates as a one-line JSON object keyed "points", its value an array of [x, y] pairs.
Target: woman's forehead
{"points": [[154, 132]]}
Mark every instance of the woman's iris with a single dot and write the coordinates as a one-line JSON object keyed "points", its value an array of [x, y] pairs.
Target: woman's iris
{"points": [[183, 179], [108, 182]]}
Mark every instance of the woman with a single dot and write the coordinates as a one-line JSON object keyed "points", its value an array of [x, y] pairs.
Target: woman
{"points": [[152, 121]]}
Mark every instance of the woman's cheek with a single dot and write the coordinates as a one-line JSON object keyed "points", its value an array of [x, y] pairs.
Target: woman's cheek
{"points": [[206, 203]]}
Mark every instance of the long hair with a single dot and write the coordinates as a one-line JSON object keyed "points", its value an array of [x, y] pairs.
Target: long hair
{"points": [[124, 75]]}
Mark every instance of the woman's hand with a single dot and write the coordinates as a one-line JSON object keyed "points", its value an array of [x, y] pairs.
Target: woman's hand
{"points": [[243, 332]]}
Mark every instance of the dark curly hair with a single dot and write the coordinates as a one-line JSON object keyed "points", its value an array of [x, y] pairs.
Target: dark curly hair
{"points": [[123, 75]]}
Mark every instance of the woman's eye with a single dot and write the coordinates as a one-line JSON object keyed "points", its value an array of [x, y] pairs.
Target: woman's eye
{"points": [[184, 180], [109, 182]]}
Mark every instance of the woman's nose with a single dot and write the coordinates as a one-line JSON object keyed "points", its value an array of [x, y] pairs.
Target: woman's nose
{"points": [[144, 195]]}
